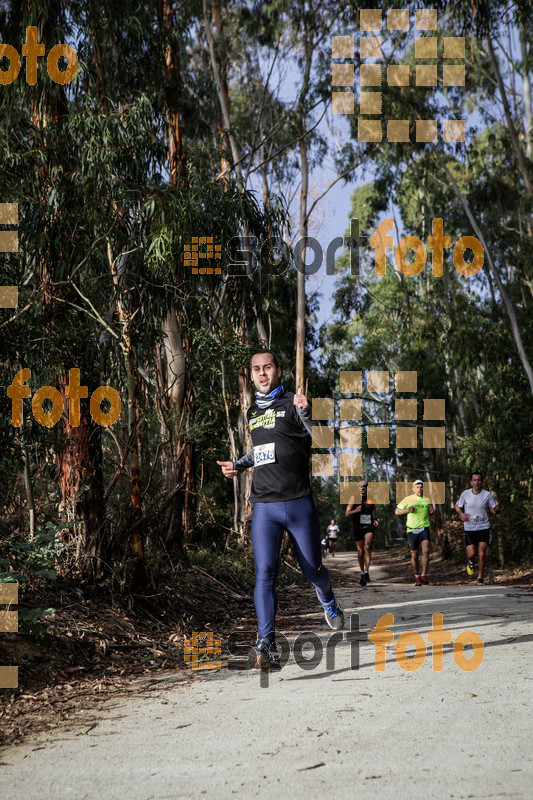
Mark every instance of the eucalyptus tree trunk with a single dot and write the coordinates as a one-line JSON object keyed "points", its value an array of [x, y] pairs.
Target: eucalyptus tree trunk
{"points": [[303, 227], [245, 477], [118, 267], [300, 285], [233, 449], [175, 402], [78, 450], [171, 384], [526, 88], [219, 67], [79, 466], [176, 155], [28, 485]]}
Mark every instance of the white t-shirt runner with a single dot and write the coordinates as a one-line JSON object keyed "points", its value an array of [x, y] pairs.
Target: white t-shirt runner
{"points": [[476, 507], [333, 531]]}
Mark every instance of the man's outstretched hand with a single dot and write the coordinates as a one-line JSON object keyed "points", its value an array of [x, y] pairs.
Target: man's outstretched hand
{"points": [[300, 400], [227, 469]]}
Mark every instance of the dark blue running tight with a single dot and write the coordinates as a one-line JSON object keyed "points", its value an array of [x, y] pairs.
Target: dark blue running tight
{"points": [[269, 521]]}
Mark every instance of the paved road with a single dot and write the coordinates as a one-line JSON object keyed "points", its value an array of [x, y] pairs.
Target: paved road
{"points": [[319, 733]]}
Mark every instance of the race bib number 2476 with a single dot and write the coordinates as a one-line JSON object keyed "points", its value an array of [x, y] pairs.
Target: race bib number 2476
{"points": [[264, 454]]}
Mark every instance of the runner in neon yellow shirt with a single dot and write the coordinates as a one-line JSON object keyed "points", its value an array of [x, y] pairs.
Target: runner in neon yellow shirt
{"points": [[418, 508]]}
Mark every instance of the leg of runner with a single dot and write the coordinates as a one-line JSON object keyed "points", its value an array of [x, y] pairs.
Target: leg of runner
{"points": [[425, 561], [368, 554], [482, 549], [304, 527], [414, 562], [361, 558], [267, 533], [268, 523], [470, 554]]}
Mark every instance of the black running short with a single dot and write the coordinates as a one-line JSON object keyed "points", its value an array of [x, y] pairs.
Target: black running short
{"points": [[475, 537], [360, 534], [414, 539]]}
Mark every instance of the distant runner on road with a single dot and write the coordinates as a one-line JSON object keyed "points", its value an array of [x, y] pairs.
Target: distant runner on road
{"points": [[280, 426], [476, 502], [332, 533], [418, 508], [364, 521]]}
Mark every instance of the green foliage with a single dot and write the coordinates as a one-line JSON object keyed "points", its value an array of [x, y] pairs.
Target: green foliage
{"points": [[33, 565], [36, 560]]}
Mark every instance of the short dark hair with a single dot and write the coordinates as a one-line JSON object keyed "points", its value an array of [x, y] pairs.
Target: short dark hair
{"points": [[476, 472], [261, 351]]}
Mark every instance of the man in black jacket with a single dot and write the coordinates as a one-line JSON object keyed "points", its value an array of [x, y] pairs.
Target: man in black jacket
{"points": [[280, 427]]}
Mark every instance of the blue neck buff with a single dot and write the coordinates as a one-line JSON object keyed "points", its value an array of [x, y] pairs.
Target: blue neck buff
{"points": [[266, 400]]}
